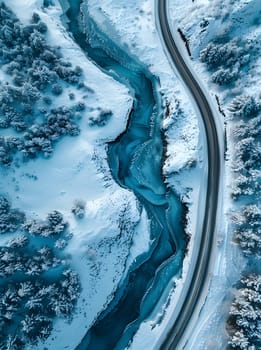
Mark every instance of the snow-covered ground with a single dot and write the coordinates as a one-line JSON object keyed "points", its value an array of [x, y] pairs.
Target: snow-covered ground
{"points": [[239, 20], [133, 26], [78, 170]]}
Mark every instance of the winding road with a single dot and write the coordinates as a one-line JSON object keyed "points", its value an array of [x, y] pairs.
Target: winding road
{"points": [[201, 268]]}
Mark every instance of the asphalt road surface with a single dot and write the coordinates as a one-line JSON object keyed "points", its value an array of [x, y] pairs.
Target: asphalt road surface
{"points": [[200, 273]]}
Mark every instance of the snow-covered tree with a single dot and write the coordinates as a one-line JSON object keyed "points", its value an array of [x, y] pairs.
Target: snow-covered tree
{"points": [[252, 213], [56, 222], [29, 327], [18, 241], [248, 232], [240, 341], [10, 298], [245, 314], [240, 130], [61, 305], [224, 76], [249, 240], [10, 219], [4, 205], [12, 342], [48, 290], [249, 152], [245, 106], [227, 54], [33, 268], [34, 304], [25, 289], [53, 226], [47, 287]]}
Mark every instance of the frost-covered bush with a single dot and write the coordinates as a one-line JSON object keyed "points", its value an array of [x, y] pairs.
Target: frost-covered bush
{"points": [[57, 89], [79, 107], [78, 209], [71, 96], [245, 315], [60, 243], [102, 119]]}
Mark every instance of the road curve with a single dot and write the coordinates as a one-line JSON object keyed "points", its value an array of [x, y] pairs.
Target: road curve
{"points": [[200, 272]]}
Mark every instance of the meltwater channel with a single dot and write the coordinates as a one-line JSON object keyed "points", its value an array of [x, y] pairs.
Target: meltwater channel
{"points": [[135, 160]]}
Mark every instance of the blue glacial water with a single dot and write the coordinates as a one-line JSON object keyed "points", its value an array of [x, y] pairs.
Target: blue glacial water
{"points": [[135, 159]]}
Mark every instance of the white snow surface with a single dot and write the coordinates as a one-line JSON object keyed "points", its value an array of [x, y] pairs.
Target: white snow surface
{"points": [[78, 170], [133, 26], [238, 18]]}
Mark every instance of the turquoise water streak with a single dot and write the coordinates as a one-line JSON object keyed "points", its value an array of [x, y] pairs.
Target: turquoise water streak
{"points": [[135, 160]]}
